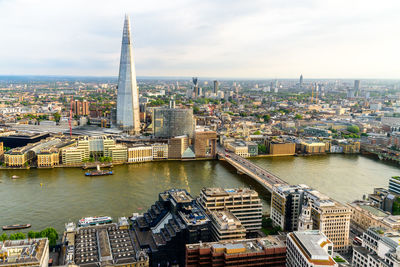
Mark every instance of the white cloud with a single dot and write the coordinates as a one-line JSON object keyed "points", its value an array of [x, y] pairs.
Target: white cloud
{"points": [[263, 39]]}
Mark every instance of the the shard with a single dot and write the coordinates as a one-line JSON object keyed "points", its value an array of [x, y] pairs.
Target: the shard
{"points": [[128, 95]]}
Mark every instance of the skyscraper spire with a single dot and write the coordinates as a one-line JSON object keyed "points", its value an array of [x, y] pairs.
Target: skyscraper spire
{"points": [[128, 95]]}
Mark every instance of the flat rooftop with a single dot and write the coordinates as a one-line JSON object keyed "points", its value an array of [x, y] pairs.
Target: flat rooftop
{"points": [[373, 210], [21, 252], [242, 246], [219, 191]]}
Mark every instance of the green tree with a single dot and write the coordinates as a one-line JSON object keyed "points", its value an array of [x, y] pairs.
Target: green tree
{"points": [[57, 116], [298, 117], [262, 148], [353, 129], [3, 237], [266, 118], [257, 132]]}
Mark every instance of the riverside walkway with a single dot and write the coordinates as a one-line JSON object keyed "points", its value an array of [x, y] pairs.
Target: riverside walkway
{"points": [[267, 179]]}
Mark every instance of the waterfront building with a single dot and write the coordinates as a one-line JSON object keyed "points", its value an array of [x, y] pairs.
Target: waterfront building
{"points": [[102, 245], [252, 148], [244, 203], [177, 146], [379, 248], [277, 146], [350, 147], [332, 218], [309, 249], [266, 251], [140, 153], [80, 108], [27, 252], [170, 122], [118, 153], [225, 226], [48, 158], [310, 147], [73, 156], [286, 203], [172, 222], [160, 151], [11, 139], [205, 144], [127, 92], [239, 148]]}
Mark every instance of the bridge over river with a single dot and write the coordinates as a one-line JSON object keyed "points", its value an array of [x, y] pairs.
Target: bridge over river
{"points": [[267, 179]]}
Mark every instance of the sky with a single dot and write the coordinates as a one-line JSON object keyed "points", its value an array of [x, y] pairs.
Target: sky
{"points": [[209, 38]]}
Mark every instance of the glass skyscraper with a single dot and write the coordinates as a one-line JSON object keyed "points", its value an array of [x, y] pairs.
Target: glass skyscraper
{"points": [[128, 95]]}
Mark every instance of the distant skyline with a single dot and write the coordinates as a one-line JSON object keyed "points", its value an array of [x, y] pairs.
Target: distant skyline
{"points": [[233, 39]]}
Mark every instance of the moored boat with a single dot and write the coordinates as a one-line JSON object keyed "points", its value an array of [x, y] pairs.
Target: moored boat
{"points": [[16, 226], [94, 220], [98, 172]]}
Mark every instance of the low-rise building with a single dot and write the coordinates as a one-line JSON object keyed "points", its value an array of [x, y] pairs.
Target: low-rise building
{"points": [[280, 147], [28, 252], [140, 153], [239, 148], [177, 146], [205, 144], [160, 151], [118, 153], [267, 251]]}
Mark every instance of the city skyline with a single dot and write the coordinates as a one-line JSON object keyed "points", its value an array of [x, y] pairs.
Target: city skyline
{"points": [[261, 39]]}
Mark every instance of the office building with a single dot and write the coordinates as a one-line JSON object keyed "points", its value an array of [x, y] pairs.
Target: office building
{"points": [[309, 249], [225, 226], [172, 222], [277, 146], [244, 203], [102, 245], [286, 203], [216, 87], [332, 218], [27, 252], [140, 153], [196, 88], [177, 146], [205, 144], [127, 93], [170, 122], [266, 251], [118, 153], [12, 139], [301, 81]]}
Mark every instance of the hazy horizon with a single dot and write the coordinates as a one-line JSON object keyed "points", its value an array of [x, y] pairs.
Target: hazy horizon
{"points": [[260, 39]]}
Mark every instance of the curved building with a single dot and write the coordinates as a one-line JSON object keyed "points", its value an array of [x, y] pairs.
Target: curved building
{"points": [[170, 122]]}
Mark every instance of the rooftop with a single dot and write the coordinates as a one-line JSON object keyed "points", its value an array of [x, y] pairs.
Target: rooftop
{"points": [[26, 251], [219, 191]]}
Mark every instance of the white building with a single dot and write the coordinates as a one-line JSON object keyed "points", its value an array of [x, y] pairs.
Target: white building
{"points": [[309, 249]]}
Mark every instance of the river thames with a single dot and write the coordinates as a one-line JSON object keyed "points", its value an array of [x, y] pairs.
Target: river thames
{"points": [[52, 197]]}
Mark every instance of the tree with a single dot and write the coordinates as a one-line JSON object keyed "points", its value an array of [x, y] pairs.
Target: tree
{"points": [[266, 118], [298, 117], [3, 237], [57, 116], [353, 129], [257, 132], [262, 148]]}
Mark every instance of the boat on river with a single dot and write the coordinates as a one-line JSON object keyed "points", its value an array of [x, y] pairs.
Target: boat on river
{"points": [[88, 221], [16, 226], [99, 172]]}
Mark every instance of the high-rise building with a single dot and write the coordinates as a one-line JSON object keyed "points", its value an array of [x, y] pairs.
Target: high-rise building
{"points": [[127, 94], [243, 203], [309, 249], [301, 81], [357, 87], [195, 86], [170, 122], [332, 218], [286, 203], [225, 226], [216, 87], [80, 108]]}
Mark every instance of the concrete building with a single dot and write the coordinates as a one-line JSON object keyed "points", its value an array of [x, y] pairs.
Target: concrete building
{"points": [[332, 218], [127, 93], [80, 108], [160, 151], [103, 245], [379, 248], [245, 204], [140, 153], [239, 148], [267, 251], [286, 203], [28, 252], [177, 146], [205, 144], [118, 153], [225, 226], [394, 185], [48, 158], [216, 87], [170, 122], [309, 249], [310, 147]]}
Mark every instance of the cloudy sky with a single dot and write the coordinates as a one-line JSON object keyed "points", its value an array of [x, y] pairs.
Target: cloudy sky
{"points": [[213, 38]]}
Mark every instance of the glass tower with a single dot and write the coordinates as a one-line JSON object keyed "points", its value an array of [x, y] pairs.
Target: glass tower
{"points": [[128, 95]]}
